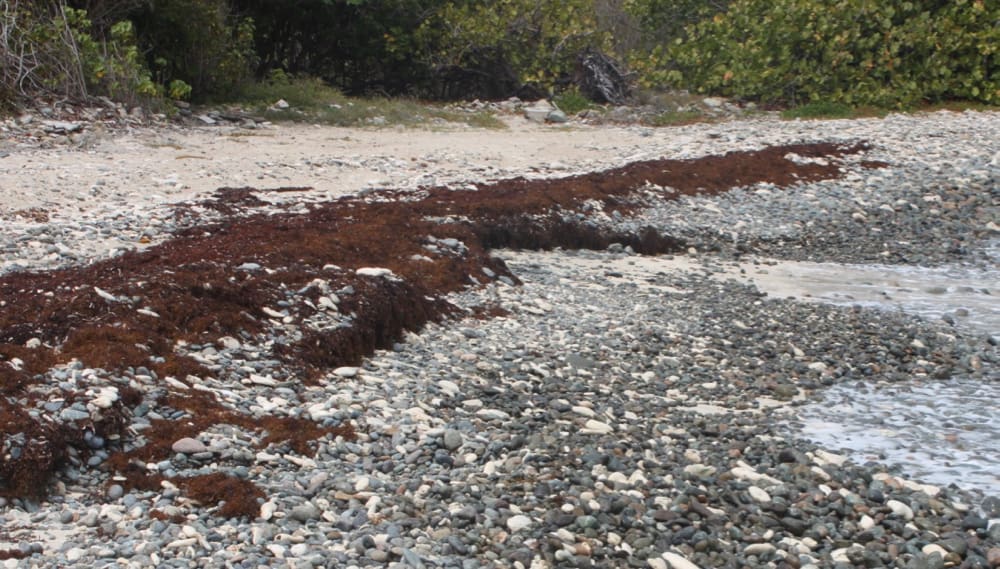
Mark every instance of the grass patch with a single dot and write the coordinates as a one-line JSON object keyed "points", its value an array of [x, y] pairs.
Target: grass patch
{"points": [[677, 118], [957, 106], [828, 110], [572, 102], [310, 100]]}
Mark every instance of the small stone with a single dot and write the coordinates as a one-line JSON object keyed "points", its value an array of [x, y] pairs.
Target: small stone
{"points": [[932, 548], [187, 445], [993, 556], [759, 549], [759, 494], [900, 509], [267, 510], [492, 415], [556, 116], [676, 561], [974, 522], [373, 272], [115, 491], [74, 554], [305, 512], [595, 427], [699, 470], [518, 523], [452, 439]]}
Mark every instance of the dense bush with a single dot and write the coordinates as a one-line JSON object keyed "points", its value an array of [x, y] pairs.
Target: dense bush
{"points": [[893, 53], [196, 43], [47, 47], [508, 44], [359, 46], [853, 52]]}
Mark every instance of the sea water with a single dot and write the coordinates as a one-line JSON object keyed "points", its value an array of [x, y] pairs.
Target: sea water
{"points": [[938, 432]]}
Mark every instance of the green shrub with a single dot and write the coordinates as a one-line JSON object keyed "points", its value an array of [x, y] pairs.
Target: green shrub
{"points": [[820, 109], [198, 42], [571, 101], [307, 93], [118, 70], [677, 118], [48, 47], [896, 53], [536, 42]]}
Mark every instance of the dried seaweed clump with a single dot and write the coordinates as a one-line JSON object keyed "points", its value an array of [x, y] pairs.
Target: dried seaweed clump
{"points": [[33, 450], [234, 496]]}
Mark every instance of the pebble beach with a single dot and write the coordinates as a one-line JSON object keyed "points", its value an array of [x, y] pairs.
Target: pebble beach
{"points": [[611, 410]]}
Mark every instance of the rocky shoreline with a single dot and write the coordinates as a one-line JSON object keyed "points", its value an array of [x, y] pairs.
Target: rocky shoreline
{"points": [[574, 417]]}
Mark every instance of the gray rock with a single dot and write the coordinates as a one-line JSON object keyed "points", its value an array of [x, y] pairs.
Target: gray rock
{"points": [[452, 439], [556, 116], [187, 445], [305, 512]]}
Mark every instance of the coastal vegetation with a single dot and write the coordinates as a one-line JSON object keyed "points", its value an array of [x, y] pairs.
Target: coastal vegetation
{"points": [[891, 55]]}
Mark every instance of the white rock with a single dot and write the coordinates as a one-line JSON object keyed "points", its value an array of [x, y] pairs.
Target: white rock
{"points": [[518, 523], [265, 380], [866, 522], [277, 550], [677, 561], [303, 462], [273, 313], [657, 563], [492, 415], [267, 510], [759, 494], [699, 470], [179, 543], [595, 427], [102, 401], [618, 478], [374, 272], [759, 549], [932, 548], [345, 371], [744, 471], [299, 549], [585, 411], [825, 457], [840, 555], [105, 295], [820, 473], [900, 509]]}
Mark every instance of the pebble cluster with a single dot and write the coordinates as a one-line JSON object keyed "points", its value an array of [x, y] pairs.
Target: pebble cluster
{"points": [[599, 422]]}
